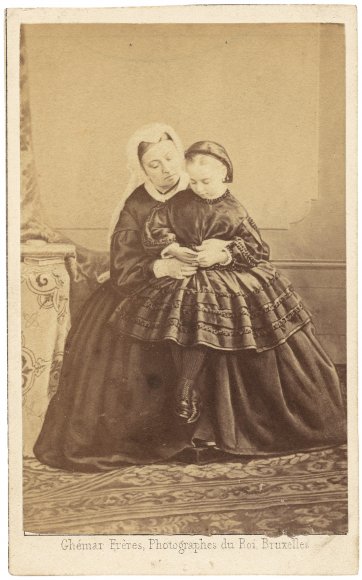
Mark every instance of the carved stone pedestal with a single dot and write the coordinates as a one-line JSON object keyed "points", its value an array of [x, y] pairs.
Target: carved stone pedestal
{"points": [[45, 324]]}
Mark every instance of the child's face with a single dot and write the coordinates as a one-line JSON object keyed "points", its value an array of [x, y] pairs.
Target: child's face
{"points": [[207, 176]]}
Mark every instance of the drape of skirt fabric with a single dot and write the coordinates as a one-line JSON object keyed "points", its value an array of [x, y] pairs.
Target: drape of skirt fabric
{"points": [[115, 400], [282, 400], [225, 309]]}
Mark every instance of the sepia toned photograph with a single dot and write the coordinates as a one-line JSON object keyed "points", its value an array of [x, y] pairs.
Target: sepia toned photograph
{"points": [[183, 264]]}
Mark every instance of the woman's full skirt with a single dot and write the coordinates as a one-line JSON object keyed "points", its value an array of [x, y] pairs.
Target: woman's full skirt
{"points": [[115, 401]]}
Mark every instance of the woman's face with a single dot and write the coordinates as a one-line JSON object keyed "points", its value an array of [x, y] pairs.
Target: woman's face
{"points": [[207, 176], [162, 163]]}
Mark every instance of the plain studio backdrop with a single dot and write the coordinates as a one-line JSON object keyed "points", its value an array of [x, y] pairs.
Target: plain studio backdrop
{"points": [[272, 94]]}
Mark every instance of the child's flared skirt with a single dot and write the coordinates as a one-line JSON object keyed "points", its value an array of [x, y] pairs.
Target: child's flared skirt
{"points": [[222, 309]]}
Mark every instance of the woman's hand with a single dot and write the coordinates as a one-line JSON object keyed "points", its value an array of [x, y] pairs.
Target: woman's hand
{"points": [[213, 252], [173, 268], [183, 254]]}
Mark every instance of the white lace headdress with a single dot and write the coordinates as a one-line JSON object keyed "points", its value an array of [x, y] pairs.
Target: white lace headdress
{"points": [[151, 133]]}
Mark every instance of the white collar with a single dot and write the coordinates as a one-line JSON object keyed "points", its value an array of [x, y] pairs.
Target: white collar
{"points": [[183, 183]]}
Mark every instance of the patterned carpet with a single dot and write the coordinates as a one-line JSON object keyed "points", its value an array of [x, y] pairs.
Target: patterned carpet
{"points": [[303, 493]]}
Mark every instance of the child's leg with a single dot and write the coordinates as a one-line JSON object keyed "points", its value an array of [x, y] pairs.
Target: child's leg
{"points": [[189, 362]]}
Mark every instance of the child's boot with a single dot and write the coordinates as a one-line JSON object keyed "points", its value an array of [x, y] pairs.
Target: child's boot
{"points": [[187, 402]]}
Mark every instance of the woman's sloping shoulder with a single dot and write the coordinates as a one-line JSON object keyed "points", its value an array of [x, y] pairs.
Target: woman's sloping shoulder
{"points": [[134, 207], [137, 199]]}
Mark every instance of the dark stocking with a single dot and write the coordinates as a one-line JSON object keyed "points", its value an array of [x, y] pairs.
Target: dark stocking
{"points": [[188, 362]]}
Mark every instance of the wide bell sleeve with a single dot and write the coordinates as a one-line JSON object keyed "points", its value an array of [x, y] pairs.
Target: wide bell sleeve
{"points": [[130, 266], [247, 248], [157, 232]]}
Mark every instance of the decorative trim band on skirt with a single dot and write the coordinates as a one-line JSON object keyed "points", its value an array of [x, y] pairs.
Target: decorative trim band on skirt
{"points": [[224, 310]]}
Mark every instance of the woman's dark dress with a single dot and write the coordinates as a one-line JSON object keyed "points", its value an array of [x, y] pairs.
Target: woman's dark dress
{"points": [[114, 404]]}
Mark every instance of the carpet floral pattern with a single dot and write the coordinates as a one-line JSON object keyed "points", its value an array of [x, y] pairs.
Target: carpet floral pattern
{"points": [[303, 493]]}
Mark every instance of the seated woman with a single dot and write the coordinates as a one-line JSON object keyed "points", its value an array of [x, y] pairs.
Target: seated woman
{"points": [[114, 403], [285, 391]]}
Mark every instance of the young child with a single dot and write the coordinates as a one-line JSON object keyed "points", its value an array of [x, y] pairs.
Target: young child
{"points": [[235, 301]]}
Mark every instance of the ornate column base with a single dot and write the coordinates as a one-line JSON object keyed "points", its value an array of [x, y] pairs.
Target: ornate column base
{"points": [[45, 324]]}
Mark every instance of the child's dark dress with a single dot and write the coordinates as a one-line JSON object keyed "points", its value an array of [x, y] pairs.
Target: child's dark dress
{"points": [[269, 380], [245, 304]]}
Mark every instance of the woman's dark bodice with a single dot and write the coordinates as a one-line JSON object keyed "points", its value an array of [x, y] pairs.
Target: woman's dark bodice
{"points": [[130, 266]]}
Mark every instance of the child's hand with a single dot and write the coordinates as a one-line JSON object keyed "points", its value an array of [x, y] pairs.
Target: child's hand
{"points": [[213, 251], [181, 253], [213, 244], [209, 258]]}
